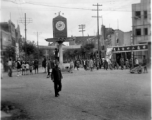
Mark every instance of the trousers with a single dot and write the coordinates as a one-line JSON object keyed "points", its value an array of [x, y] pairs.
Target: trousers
{"points": [[57, 87]]}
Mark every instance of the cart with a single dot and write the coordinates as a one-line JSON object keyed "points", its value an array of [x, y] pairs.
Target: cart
{"points": [[137, 69]]}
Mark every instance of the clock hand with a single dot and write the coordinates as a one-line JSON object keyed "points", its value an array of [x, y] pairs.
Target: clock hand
{"points": [[59, 25]]}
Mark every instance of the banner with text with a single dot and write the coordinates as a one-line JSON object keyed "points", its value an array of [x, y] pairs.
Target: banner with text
{"points": [[139, 47]]}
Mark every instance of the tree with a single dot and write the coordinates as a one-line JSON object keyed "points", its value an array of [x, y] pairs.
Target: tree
{"points": [[83, 51], [31, 51], [87, 49], [9, 52], [29, 48]]}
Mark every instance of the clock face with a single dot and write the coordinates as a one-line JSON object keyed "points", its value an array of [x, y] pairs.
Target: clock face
{"points": [[60, 25]]}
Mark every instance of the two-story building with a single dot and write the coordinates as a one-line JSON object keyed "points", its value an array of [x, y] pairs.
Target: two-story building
{"points": [[141, 27]]}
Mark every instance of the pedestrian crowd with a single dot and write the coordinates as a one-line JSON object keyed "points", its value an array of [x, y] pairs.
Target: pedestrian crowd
{"points": [[90, 64], [23, 67], [51, 67], [27, 67]]}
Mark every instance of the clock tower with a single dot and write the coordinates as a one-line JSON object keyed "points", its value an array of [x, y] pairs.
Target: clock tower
{"points": [[60, 28]]}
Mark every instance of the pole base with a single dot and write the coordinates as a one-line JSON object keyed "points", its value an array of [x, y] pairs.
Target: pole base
{"points": [[64, 66]]}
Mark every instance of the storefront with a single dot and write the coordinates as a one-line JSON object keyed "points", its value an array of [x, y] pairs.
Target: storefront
{"points": [[128, 52]]}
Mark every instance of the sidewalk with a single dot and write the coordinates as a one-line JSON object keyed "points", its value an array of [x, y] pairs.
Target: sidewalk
{"points": [[41, 70]]}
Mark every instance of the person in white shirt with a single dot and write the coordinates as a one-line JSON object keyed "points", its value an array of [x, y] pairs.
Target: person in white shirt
{"points": [[23, 68], [110, 64], [84, 64], [71, 66], [27, 67], [91, 64], [2, 69], [136, 62], [10, 67]]}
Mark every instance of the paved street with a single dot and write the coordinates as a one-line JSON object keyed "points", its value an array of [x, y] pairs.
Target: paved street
{"points": [[86, 95]]}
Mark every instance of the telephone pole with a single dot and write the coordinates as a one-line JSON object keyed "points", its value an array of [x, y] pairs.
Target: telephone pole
{"points": [[82, 26], [97, 23], [37, 34], [25, 21]]}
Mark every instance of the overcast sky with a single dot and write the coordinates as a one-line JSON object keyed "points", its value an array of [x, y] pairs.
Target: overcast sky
{"points": [[77, 12]]}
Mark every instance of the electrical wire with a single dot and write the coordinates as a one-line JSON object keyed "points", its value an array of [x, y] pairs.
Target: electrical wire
{"points": [[64, 7]]}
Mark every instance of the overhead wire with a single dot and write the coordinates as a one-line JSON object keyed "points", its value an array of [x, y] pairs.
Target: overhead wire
{"points": [[53, 6]]}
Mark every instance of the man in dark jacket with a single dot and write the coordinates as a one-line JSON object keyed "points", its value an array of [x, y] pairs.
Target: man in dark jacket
{"points": [[44, 64], [56, 77], [36, 66]]}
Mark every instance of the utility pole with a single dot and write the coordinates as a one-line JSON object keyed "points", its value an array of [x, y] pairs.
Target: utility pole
{"points": [[25, 28], [37, 34], [25, 21], [97, 23], [82, 26], [1, 44]]}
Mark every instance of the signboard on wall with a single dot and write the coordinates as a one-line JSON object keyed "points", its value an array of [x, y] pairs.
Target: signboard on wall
{"points": [[109, 53], [139, 47]]}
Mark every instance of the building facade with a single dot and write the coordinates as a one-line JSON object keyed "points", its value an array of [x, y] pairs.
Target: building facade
{"points": [[141, 27], [117, 37], [10, 36]]}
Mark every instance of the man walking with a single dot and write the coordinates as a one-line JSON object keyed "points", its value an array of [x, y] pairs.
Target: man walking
{"points": [[18, 67], [122, 63], [136, 62], [44, 64], [36, 66], [56, 77], [71, 66], [84, 64], [91, 64], [145, 64], [48, 68], [10, 67]]}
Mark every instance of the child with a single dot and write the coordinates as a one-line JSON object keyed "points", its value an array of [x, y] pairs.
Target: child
{"points": [[30, 67]]}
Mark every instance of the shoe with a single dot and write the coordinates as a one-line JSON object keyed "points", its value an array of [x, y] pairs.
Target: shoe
{"points": [[57, 95]]}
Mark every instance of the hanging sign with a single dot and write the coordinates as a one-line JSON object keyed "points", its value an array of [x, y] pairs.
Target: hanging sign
{"points": [[139, 47]]}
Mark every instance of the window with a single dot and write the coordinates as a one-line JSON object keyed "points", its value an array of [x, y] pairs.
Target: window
{"points": [[137, 14], [102, 47], [145, 14], [145, 31], [117, 41], [138, 32]]}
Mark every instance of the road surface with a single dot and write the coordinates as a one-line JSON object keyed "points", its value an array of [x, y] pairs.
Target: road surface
{"points": [[86, 95]]}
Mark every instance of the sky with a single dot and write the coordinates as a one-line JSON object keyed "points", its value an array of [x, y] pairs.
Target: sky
{"points": [[115, 14]]}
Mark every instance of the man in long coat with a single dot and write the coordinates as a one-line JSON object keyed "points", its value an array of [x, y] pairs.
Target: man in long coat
{"points": [[91, 64], [56, 77]]}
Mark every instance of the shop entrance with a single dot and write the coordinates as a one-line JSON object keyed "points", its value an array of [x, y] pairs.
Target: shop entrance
{"points": [[125, 55]]}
